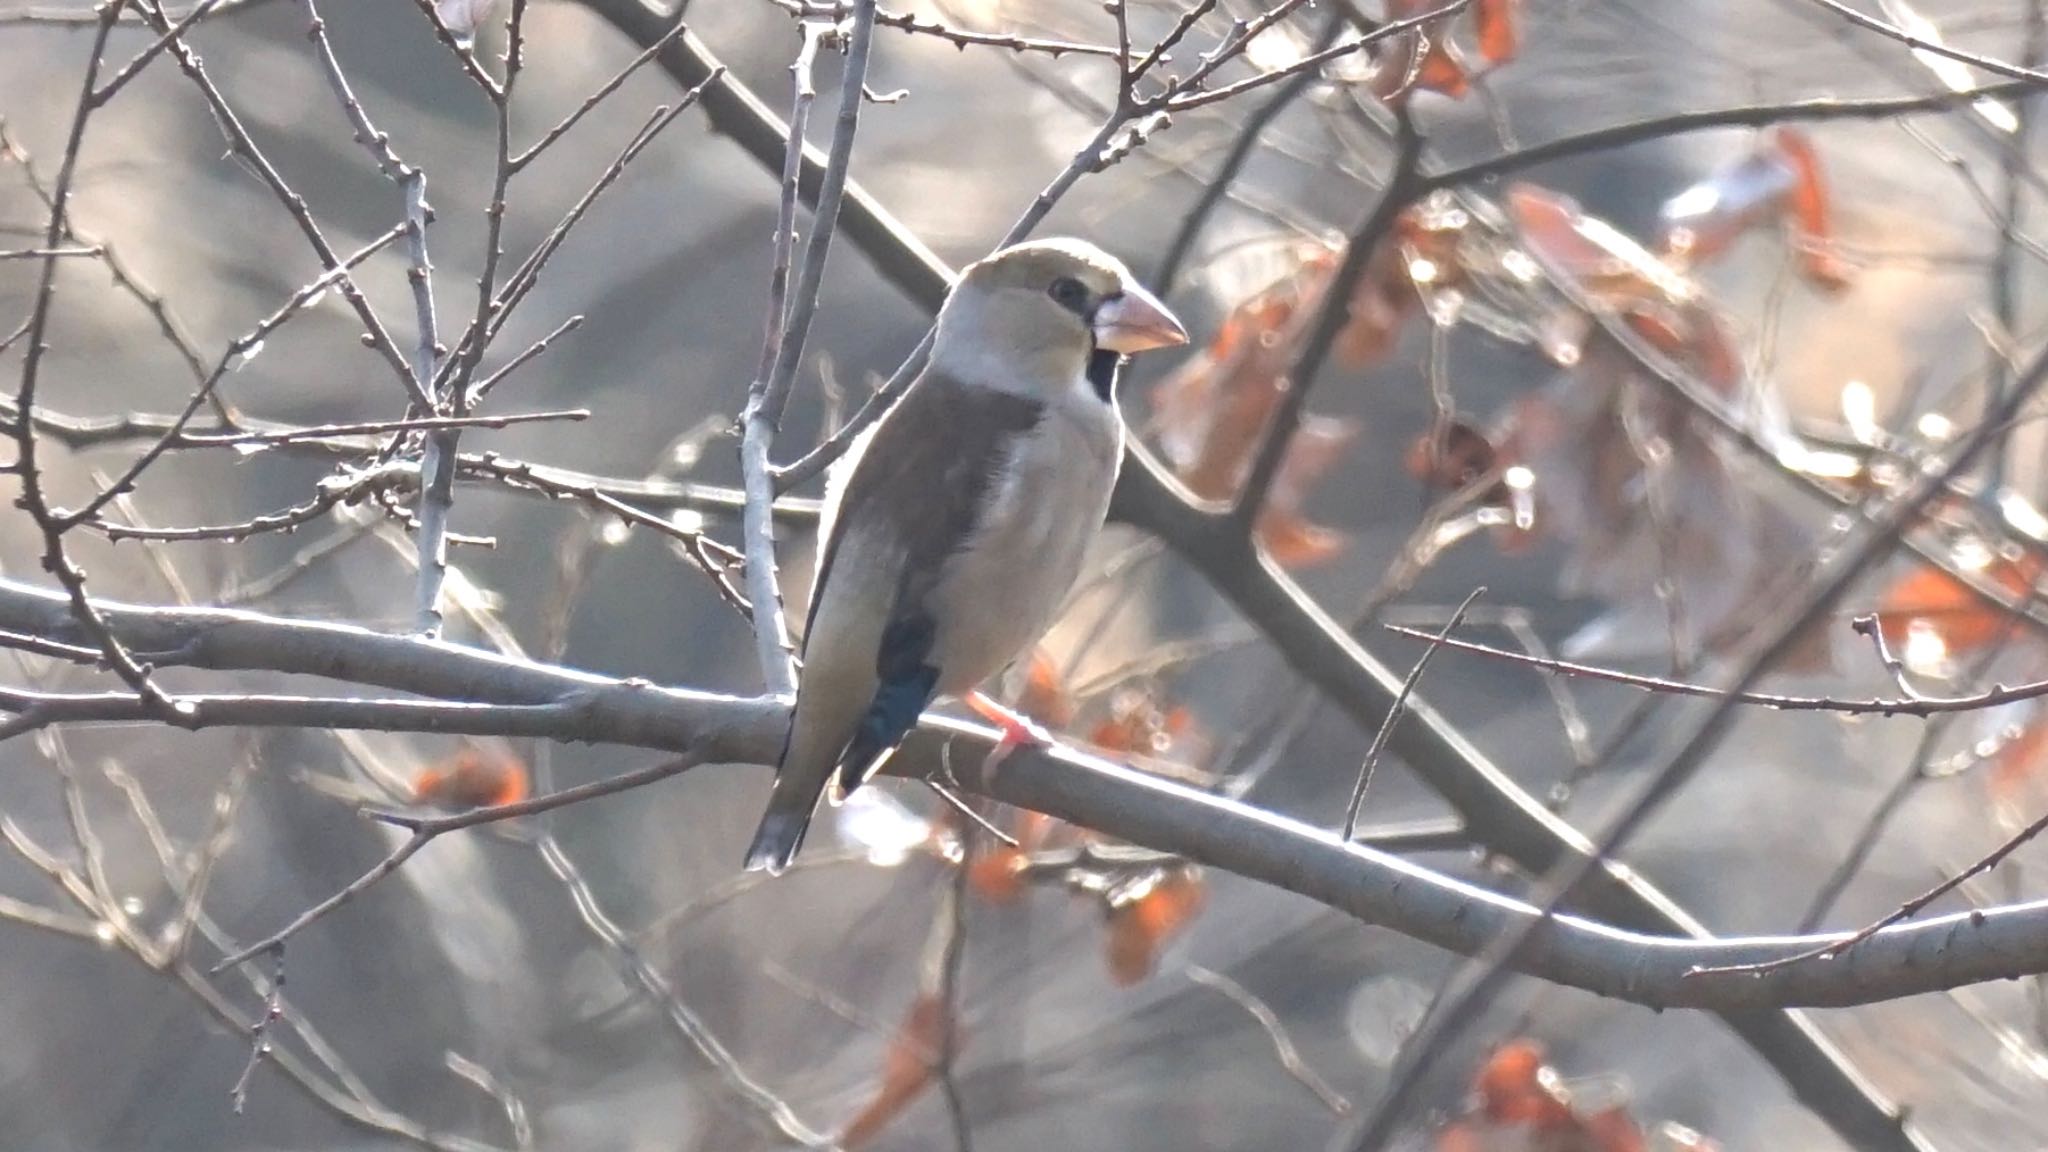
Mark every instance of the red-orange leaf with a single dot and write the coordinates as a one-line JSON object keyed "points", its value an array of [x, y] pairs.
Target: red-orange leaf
{"points": [[1140, 925], [2018, 757], [1692, 337], [997, 874], [1812, 233], [1294, 542], [1461, 1136], [1044, 696], [1780, 180], [1284, 532], [1613, 1130], [1442, 71], [1449, 461], [1495, 20], [908, 1069], [1213, 413], [1385, 296], [1589, 252], [1522, 1103], [473, 777], [1939, 601], [1517, 1086]]}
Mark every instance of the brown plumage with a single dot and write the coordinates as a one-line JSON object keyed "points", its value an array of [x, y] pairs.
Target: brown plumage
{"points": [[954, 528]]}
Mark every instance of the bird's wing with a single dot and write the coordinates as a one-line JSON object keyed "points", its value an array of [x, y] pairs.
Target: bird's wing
{"points": [[914, 496]]}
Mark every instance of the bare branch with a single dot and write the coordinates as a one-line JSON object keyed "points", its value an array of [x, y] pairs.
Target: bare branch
{"points": [[1781, 630], [1142, 808], [244, 146], [1394, 714], [1284, 1048], [518, 163], [960, 37], [1989, 64], [1912, 705], [1331, 316], [33, 499]]}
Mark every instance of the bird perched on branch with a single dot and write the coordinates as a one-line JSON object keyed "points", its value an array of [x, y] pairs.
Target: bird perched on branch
{"points": [[955, 527]]}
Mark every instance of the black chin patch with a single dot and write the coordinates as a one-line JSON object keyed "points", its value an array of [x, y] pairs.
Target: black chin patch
{"points": [[1102, 366]]}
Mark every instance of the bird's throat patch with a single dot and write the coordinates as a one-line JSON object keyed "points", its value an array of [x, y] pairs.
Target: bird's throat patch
{"points": [[1102, 367]]}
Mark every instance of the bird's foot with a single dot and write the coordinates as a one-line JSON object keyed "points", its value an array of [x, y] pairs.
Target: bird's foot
{"points": [[1019, 731]]}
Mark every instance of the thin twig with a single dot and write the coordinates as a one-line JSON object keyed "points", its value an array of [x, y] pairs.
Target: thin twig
{"points": [[425, 829], [1331, 317], [763, 412], [2005, 285], [133, 68], [26, 466], [1989, 64], [952, 959], [243, 145], [1783, 629], [1912, 705], [519, 162], [238, 353], [959, 37], [1837, 948], [1397, 712], [259, 1038], [803, 302], [1284, 1048], [1241, 148]]}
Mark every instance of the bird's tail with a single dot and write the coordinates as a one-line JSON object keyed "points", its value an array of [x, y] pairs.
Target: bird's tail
{"points": [[820, 758], [809, 755], [795, 801], [784, 823], [777, 840]]}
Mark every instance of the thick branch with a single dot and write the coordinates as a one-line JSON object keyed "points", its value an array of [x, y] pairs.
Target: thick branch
{"points": [[1662, 971]]}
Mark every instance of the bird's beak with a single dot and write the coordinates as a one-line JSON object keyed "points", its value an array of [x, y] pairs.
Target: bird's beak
{"points": [[1134, 320]]}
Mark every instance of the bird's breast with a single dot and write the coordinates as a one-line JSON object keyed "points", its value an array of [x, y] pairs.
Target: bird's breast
{"points": [[1047, 503]]}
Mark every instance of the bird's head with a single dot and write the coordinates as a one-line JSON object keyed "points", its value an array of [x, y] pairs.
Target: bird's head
{"points": [[1035, 317]]}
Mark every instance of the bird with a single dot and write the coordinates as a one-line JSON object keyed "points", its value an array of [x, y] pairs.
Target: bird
{"points": [[955, 526]]}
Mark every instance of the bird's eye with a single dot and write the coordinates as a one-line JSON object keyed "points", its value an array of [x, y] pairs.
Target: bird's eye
{"points": [[1070, 294]]}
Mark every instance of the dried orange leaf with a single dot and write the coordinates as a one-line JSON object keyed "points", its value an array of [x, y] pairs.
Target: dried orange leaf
{"points": [[1141, 723], [1442, 71], [1589, 252], [997, 874], [1517, 1085], [1142, 920], [1522, 1103], [474, 777], [1294, 542], [2019, 757], [1289, 537], [1945, 605], [1782, 178], [1701, 221], [1462, 1136], [1386, 293], [908, 1069], [1045, 696], [1812, 234], [1423, 58], [1692, 337], [1613, 1130], [1495, 20]]}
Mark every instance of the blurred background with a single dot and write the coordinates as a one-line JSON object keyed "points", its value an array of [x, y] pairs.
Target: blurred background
{"points": [[604, 979]]}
